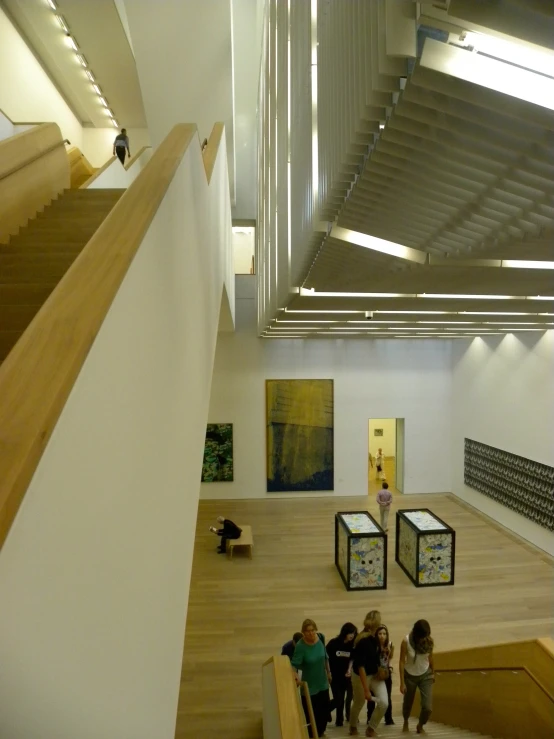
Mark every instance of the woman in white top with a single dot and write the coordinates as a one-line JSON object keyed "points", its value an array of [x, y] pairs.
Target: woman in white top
{"points": [[416, 671]]}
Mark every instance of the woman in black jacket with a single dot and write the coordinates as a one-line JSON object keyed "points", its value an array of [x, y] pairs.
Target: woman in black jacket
{"points": [[366, 677], [340, 651]]}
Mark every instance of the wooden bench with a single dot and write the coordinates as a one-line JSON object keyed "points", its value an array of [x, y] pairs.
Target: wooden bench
{"points": [[245, 540]]}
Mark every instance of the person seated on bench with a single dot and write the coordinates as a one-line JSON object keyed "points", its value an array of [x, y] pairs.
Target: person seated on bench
{"points": [[230, 530]]}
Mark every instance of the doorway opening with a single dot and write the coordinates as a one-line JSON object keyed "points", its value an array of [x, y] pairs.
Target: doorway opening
{"points": [[387, 435]]}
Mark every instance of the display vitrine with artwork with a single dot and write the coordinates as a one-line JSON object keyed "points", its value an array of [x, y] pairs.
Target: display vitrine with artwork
{"points": [[360, 551], [425, 547]]}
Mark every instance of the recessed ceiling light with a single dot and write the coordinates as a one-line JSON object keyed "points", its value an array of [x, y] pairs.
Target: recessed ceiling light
{"points": [[527, 264], [104, 101], [89, 75], [115, 123], [469, 297], [82, 61], [97, 90], [52, 4], [62, 23], [70, 41]]}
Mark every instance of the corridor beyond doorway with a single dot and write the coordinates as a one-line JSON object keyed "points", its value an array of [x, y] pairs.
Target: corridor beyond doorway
{"points": [[386, 434]]}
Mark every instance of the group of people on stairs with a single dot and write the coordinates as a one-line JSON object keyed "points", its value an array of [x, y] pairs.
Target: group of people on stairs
{"points": [[358, 668]]}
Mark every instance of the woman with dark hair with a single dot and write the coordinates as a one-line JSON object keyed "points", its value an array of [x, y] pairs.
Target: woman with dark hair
{"points": [[340, 650], [310, 657], [417, 672]]}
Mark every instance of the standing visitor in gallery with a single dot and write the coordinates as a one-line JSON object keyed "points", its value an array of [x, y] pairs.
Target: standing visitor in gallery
{"points": [[384, 500], [230, 530], [288, 647], [379, 465], [340, 651], [311, 659], [416, 672], [121, 145], [368, 676]]}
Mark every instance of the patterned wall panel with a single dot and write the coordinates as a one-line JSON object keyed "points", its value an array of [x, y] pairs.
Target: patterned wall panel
{"points": [[523, 485]]}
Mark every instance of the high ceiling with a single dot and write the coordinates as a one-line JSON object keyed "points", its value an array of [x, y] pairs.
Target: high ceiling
{"points": [[434, 175], [97, 28]]}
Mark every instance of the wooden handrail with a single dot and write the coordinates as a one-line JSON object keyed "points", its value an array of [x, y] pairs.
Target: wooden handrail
{"points": [[209, 153], [514, 668], [134, 158], [34, 158], [40, 371], [98, 172], [290, 714]]}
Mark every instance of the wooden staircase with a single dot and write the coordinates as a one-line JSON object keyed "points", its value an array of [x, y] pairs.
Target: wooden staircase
{"points": [[35, 260], [432, 729]]}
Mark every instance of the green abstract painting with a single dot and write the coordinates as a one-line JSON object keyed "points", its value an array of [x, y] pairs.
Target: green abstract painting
{"points": [[218, 453]]}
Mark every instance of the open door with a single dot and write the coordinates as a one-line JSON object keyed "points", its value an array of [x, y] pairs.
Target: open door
{"points": [[399, 471]]}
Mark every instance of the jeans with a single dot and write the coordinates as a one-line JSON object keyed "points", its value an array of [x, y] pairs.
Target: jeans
{"points": [[388, 712], [320, 706], [379, 690], [384, 516], [342, 688], [120, 152], [425, 684]]}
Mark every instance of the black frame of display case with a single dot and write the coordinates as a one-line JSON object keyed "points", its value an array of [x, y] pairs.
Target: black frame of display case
{"points": [[447, 530], [380, 532]]}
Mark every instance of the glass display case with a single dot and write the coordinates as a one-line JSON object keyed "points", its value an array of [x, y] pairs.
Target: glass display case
{"points": [[425, 547], [360, 551]]}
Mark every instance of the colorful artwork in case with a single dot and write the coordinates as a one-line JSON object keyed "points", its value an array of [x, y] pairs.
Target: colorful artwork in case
{"points": [[425, 548], [367, 562], [360, 551], [435, 559]]}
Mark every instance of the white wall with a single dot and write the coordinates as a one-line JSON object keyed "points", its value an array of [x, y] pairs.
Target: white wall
{"points": [[195, 82], [6, 127], [409, 379], [26, 92], [98, 142], [387, 442], [503, 395], [94, 575], [116, 176], [243, 248]]}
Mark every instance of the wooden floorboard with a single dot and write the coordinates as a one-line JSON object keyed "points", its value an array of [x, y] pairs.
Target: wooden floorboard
{"points": [[241, 611]]}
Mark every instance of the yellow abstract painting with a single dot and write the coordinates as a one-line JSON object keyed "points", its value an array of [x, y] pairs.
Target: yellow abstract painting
{"points": [[299, 435]]}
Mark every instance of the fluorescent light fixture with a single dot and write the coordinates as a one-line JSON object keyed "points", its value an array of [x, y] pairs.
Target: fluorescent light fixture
{"points": [[447, 296], [279, 322], [90, 75], [513, 52], [104, 101], [379, 245], [52, 4], [62, 23], [310, 292], [70, 41], [82, 61], [527, 264], [492, 313], [540, 297], [115, 124], [288, 310], [417, 312], [97, 90], [109, 113]]}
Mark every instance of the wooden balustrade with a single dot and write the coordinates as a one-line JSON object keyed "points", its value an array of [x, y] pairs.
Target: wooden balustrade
{"points": [[34, 170], [283, 717], [39, 373]]}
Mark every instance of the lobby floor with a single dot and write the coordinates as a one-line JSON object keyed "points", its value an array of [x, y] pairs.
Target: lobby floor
{"points": [[241, 610]]}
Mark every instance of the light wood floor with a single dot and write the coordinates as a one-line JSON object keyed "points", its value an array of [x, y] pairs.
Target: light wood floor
{"points": [[241, 611], [374, 485]]}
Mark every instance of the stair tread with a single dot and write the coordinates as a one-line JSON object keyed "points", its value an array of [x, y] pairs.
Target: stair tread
{"points": [[432, 729]]}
